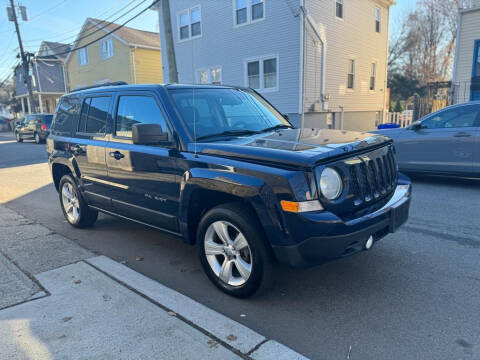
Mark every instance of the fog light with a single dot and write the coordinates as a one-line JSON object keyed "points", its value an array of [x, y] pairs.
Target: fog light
{"points": [[369, 243]]}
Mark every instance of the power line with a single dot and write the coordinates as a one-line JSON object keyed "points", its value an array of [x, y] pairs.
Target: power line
{"points": [[77, 29], [47, 10], [102, 27], [112, 31]]}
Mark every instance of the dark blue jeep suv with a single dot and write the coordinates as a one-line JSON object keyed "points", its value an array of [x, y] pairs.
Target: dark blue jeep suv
{"points": [[221, 168]]}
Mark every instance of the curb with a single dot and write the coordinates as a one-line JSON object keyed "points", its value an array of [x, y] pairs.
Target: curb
{"points": [[233, 335]]}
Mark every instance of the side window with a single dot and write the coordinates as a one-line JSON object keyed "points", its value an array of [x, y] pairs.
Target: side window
{"points": [[65, 120], [134, 109], [97, 114], [82, 124], [93, 118], [463, 116]]}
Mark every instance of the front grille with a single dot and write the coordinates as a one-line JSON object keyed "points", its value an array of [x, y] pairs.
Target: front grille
{"points": [[374, 176], [370, 180]]}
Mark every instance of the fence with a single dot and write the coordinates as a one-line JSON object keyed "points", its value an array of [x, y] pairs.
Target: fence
{"points": [[465, 91], [403, 119]]}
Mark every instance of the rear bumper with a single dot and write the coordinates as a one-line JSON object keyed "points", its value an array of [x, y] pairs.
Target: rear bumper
{"points": [[331, 238]]}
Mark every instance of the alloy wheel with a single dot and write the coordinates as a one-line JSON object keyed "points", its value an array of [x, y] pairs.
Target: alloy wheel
{"points": [[228, 253], [70, 202]]}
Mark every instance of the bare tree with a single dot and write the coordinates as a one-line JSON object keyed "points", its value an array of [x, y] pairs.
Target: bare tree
{"points": [[423, 48]]}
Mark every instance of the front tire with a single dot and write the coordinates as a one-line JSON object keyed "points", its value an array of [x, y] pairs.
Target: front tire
{"points": [[18, 137], [233, 251], [74, 208]]}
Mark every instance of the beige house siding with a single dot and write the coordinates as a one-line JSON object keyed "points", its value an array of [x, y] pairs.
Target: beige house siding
{"points": [[116, 68], [353, 37], [148, 66], [469, 32]]}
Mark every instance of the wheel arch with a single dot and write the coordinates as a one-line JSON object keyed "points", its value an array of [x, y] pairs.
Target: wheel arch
{"points": [[204, 189]]}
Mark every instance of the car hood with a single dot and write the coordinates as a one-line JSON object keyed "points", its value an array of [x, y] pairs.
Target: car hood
{"points": [[391, 133], [292, 147]]}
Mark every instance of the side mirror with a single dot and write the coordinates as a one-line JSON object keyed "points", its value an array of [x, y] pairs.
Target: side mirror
{"points": [[416, 126], [149, 134]]}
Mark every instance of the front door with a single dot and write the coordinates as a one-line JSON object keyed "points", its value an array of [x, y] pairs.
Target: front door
{"points": [[444, 143], [143, 179], [88, 148]]}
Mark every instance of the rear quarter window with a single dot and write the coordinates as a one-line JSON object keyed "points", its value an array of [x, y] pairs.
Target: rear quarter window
{"points": [[66, 117]]}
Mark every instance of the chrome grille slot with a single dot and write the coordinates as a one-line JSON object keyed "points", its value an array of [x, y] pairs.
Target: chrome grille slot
{"points": [[374, 176]]}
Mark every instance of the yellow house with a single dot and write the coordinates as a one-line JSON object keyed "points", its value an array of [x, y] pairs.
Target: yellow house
{"points": [[128, 54]]}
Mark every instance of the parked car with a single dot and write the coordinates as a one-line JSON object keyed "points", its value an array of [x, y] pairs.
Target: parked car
{"points": [[222, 168], [446, 142], [4, 124], [34, 126]]}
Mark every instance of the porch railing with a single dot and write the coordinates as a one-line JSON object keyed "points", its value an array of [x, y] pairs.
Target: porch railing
{"points": [[403, 119]]}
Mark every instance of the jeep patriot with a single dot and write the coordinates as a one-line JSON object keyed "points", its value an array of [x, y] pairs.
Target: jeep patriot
{"points": [[221, 168]]}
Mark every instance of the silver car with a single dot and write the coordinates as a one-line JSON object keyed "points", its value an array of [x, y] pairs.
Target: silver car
{"points": [[446, 142]]}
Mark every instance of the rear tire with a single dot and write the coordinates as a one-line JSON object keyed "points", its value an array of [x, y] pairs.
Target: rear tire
{"points": [[233, 251], [74, 208], [18, 137]]}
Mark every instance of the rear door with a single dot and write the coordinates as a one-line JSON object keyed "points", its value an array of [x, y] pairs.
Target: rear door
{"points": [[444, 144], [89, 144], [143, 178]]}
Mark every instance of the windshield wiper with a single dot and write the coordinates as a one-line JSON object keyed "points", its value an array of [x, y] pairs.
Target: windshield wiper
{"points": [[279, 126], [228, 133]]}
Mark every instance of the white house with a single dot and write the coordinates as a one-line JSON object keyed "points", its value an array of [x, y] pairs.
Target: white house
{"points": [[326, 59], [466, 71]]}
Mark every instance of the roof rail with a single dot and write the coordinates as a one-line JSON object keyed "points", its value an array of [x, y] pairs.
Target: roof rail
{"points": [[115, 83]]}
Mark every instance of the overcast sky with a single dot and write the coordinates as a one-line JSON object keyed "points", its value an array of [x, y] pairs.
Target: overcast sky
{"points": [[61, 20]]}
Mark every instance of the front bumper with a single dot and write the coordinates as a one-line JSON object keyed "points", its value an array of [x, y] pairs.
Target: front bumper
{"points": [[327, 237]]}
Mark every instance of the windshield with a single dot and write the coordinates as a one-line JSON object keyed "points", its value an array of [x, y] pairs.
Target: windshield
{"points": [[228, 111]]}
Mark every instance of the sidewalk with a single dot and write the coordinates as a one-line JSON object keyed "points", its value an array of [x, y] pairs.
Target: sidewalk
{"points": [[58, 300]]}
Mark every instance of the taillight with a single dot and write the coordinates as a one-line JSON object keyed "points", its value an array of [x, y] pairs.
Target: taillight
{"points": [[44, 127]]}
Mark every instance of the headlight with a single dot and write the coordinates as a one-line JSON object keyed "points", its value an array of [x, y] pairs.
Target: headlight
{"points": [[331, 184]]}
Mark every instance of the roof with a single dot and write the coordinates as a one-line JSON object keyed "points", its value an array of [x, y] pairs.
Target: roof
{"points": [[130, 35], [58, 48], [153, 86]]}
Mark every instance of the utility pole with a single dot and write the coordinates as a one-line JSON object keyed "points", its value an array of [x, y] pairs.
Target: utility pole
{"points": [[170, 74], [24, 58]]}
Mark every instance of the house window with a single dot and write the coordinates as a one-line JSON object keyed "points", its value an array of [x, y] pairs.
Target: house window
{"points": [[106, 48], [190, 23], [241, 11], [210, 76], [351, 74], [248, 11], [378, 17], [373, 75], [82, 56], [339, 8], [262, 74], [476, 60]]}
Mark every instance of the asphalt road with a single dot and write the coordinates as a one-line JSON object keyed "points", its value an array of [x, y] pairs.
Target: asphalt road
{"points": [[415, 295]]}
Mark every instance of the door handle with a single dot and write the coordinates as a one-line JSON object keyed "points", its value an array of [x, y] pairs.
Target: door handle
{"points": [[462, 134], [117, 155], [76, 148]]}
